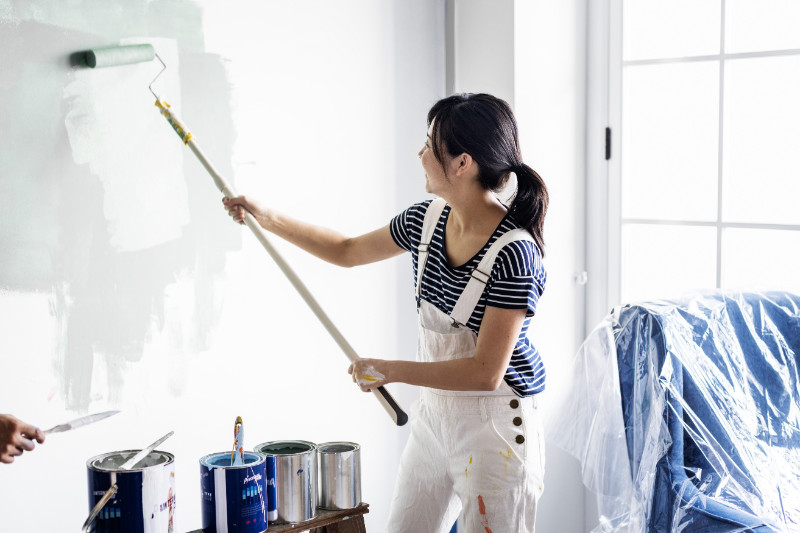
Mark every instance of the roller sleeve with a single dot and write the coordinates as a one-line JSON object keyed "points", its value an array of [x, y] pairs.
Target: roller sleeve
{"points": [[120, 55]]}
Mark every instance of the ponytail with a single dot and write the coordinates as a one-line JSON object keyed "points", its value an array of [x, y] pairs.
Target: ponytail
{"points": [[529, 204], [484, 126]]}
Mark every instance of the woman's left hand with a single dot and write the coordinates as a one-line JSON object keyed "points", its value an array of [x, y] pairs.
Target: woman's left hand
{"points": [[368, 374]]}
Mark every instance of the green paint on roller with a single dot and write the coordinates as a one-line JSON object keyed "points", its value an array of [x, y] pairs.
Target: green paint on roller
{"points": [[113, 56]]}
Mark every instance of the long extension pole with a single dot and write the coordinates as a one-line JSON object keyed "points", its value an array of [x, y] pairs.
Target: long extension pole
{"points": [[383, 396]]}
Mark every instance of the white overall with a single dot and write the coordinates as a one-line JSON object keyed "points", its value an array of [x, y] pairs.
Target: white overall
{"points": [[477, 453]]}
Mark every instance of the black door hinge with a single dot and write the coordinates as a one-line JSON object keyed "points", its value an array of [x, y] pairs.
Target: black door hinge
{"points": [[608, 144]]}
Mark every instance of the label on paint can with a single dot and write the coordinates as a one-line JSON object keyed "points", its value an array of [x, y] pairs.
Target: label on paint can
{"points": [[233, 497]]}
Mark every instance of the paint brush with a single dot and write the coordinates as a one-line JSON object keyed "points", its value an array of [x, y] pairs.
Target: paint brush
{"points": [[80, 422], [238, 442]]}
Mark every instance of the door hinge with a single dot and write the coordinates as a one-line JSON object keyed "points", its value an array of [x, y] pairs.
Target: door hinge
{"points": [[608, 144]]}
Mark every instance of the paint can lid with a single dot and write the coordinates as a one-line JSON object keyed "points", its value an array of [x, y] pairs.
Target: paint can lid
{"points": [[223, 460], [111, 461], [338, 447], [286, 447]]}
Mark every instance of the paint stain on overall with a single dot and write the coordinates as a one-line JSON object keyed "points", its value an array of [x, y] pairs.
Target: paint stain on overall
{"points": [[482, 511], [506, 456]]}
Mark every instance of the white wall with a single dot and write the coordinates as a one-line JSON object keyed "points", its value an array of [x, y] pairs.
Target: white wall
{"points": [[532, 54], [483, 48], [550, 86], [123, 284]]}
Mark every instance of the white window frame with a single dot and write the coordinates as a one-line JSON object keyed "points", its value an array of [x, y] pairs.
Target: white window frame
{"points": [[603, 186], [603, 80]]}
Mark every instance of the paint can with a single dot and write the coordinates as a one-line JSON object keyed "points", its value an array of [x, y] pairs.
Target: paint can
{"points": [[339, 475], [145, 497], [295, 481], [234, 499]]}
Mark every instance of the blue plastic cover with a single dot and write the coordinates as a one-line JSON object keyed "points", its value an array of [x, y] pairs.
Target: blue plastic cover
{"points": [[685, 415]]}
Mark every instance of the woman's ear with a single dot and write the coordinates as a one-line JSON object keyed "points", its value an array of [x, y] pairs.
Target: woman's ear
{"points": [[464, 164]]}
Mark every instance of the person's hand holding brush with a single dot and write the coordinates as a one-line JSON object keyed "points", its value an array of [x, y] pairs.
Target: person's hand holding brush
{"points": [[17, 437]]}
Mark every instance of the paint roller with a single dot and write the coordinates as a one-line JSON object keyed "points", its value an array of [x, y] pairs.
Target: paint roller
{"points": [[129, 54]]}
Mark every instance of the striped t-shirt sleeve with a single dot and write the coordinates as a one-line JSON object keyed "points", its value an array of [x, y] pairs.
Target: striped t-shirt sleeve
{"points": [[406, 228], [518, 278]]}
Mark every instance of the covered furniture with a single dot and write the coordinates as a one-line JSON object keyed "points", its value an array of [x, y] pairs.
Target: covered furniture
{"points": [[685, 415]]}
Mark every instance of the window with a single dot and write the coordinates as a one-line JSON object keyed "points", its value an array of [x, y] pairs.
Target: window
{"points": [[704, 176]]}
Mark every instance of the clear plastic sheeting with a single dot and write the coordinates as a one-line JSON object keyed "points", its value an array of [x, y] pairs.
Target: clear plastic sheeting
{"points": [[685, 415]]}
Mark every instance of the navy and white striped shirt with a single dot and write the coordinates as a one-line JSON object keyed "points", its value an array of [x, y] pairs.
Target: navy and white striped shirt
{"points": [[516, 282]]}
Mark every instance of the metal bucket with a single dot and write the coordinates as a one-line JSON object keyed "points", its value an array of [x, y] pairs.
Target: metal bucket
{"points": [[233, 496], [145, 498], [339, 475], [294, 463]]}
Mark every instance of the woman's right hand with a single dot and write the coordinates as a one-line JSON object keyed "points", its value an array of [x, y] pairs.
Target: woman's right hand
{"points": [[237, 206], [325, 243]]}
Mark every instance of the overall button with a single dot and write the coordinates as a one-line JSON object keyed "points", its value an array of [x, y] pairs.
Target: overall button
{"points": [[514, 404], [520, 439], [517, 421]]}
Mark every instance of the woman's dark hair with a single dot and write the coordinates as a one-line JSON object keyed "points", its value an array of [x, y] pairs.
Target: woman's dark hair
{"points": [[484, 127]]}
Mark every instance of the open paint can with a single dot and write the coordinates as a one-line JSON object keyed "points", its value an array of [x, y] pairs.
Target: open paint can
{"points": [[145, 497], [293, 463], [339, 475], [234, 497]]}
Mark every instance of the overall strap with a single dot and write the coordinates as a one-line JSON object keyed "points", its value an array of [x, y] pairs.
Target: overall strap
{"points": [[432, 215], [479, 277]]}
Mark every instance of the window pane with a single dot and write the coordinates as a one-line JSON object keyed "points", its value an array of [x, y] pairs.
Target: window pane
{"points": [[761, 259], [670, 132], [759, 25], [662, 261], [761, 140], [676, 28]]}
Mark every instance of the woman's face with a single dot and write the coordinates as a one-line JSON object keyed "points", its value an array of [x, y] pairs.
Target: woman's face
{"points": [[435, 177]]}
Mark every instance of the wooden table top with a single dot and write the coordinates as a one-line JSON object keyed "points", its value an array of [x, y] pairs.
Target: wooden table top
{"points": [[323, 518]]}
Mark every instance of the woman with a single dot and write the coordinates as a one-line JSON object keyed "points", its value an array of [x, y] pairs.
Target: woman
{"points": [[476, 444]]}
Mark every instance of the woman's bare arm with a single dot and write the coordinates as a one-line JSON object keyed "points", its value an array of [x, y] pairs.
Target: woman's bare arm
{"points": [[325, 243], [484, 371]]}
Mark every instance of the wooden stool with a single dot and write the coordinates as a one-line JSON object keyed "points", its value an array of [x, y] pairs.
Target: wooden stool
{"points": [[345, 521]]}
